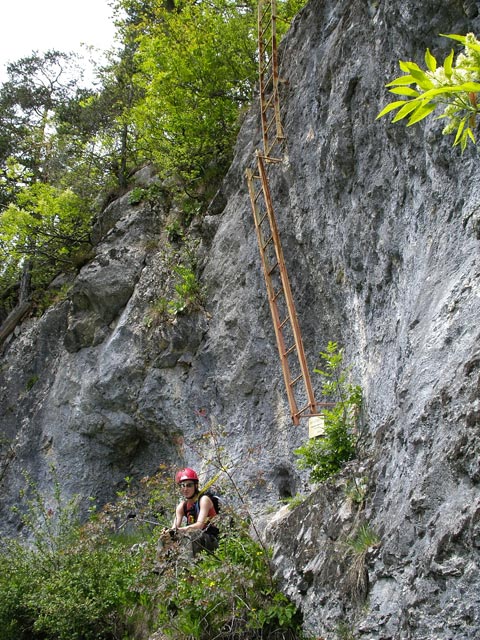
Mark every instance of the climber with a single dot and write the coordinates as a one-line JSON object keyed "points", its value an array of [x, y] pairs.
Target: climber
{"points": [[198, 510]]}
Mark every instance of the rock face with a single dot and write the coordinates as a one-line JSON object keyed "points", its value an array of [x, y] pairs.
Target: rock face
{"points": [[380, 228]]}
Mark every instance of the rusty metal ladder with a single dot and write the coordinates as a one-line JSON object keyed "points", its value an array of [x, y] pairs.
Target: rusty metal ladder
{"points": [[285, 322], [268, 76]]}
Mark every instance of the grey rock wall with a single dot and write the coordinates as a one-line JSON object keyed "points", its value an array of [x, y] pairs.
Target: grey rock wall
{"points": [[392, 235], [380, 230]]}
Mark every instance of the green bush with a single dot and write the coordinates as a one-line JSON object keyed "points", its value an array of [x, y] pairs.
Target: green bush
{"points": [[136, 195], [325, 456], [60, 584], [76, 594], [102, 580], [228, 594], [188, 292]]}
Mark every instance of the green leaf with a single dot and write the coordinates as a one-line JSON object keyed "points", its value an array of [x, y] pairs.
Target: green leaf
{"points": [[454, 36], [390, 107], [470, 87], [463, 40], [419, 76], [430, 60], [421, 112], [466, 87], [405, 91], [405, 110], [461, 126], [407, 66], [447, 65], [401, 81], [422, 79]]}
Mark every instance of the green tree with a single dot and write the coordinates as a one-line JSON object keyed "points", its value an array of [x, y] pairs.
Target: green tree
{"points": [[197, 69], [36, 86], [42, 229]]}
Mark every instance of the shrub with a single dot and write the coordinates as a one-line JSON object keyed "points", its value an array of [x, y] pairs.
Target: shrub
{"points": [[358, 546], [326, 455], [228, 594], [103, 581], [59, 585]]}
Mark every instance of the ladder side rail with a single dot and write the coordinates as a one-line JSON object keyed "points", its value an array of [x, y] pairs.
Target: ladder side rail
{"points": [[286, 286], [275, 72]]}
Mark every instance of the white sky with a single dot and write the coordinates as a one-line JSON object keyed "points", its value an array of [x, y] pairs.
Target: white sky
{"points": [[28, 25]]}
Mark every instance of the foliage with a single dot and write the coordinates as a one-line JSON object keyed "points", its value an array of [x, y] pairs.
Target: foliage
{"points": [[136, 195], [43, 229], [56, 585], [356, 489], [174, 231], [453, 87], [146, 194], [53, 295], [65, 581], [171, 94], [294, 501], [363, 539], [197, 67], [345, 631], [188, 290], [181, 291], [229, 594], [36, 86], [326, 455], [157, 313], [102, 580]]}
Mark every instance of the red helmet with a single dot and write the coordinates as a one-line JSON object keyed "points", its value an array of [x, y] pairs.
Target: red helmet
{"points": [[186, 474]]}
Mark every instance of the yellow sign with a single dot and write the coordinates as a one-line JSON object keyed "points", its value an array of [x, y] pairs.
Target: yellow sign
{"points": [[316, 426]]}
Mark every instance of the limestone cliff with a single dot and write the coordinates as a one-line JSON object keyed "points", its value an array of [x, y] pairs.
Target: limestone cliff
{"points": [[380, 227]]}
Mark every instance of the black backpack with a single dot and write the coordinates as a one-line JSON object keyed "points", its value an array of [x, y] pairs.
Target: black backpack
{"points": [[196, 505]]}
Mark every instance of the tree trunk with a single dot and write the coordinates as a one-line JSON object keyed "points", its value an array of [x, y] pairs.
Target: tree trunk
{"points": [[13, 318]]}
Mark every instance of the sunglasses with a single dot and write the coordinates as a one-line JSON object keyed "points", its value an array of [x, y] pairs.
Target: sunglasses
{"points": [[186, 485]]}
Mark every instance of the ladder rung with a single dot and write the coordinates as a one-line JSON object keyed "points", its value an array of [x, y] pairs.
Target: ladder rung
{"points": [[257, 195], [291, 350], [267, 158], [272, 269], [269, 241], [268, 104], [307, 406], [264, 29], [265, 70], [259, 222], [271, 123], [267, 82], [262, 32], [277, 293], [295, 380], [283, 323]]}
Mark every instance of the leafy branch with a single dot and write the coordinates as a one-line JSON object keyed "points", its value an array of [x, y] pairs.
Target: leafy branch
{"points": [[325, 456], [452, 86]]}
